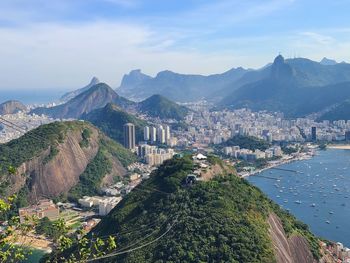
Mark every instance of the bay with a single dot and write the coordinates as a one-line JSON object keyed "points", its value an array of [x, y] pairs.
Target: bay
{"points": [[318, 195]]}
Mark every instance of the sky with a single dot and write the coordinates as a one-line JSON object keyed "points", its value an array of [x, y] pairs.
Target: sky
{"points": [[62, 44]]}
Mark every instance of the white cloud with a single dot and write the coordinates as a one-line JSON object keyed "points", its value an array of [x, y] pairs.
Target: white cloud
{"points": [[52, 55]]}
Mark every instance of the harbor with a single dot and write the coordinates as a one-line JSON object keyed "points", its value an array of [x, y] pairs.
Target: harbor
{"points": [[316, 190]]}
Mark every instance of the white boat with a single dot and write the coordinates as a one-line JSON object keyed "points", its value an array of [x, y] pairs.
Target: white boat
{"points": [[298, 202], [313, 205], [328, 222]]}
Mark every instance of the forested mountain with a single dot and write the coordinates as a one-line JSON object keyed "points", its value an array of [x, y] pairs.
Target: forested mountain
{"points": [[161, 107], [296, 87], [239, 86], [111, 120], [60, 159], [11, 107], [222, 220], [339, 112], [95, 97]]}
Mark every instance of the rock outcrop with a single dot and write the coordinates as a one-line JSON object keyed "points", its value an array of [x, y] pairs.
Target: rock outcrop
{"points": [[294, 249], [11, 107]]}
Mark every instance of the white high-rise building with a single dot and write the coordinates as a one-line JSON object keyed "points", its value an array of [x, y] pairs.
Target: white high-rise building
{"points": [[167, 133], [161, 134], [146, 135], [153, 132]]}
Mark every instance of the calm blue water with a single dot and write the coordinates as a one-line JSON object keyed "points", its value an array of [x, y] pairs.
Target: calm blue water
{"points": [[325, 182], [31, 96]]}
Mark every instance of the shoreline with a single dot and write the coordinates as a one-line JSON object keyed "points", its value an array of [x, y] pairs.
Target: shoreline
{"points": [[339, 146], [279, 163]]}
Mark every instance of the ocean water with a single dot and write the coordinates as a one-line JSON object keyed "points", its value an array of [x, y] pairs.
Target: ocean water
{"points": [[318, 196], [32, 96]]}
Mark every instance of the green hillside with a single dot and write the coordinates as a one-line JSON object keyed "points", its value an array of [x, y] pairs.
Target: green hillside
{"points": [[41, 146], [111, 119], [340, 112], [159, 106], [247, 142], [222, 220]]}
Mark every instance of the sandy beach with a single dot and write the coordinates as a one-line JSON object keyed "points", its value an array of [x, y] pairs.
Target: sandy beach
{"points": [[339, 146]]}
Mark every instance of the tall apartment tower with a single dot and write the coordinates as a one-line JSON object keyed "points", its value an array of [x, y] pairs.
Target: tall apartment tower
{"points": [[313, 134], [167, 133], [146, 135], [161, 134], [129, 136], [153, 132]]}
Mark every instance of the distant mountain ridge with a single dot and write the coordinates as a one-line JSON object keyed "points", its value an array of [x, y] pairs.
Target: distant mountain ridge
{"points": [[95, 97], [70, 95], [178, 87], [296, 87], [294, 73], [161, 107], [11, 107]]}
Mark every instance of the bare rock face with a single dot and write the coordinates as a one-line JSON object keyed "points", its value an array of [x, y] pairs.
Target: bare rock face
{"points": [[11, 107], [294, 249], [61, 173]]}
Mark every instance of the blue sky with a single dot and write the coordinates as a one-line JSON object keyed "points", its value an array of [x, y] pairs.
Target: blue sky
{"points": [[63, 43]]}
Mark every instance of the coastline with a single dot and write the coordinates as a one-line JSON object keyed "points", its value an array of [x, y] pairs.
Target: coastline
{"points": [[339, 146], [279, 163]]}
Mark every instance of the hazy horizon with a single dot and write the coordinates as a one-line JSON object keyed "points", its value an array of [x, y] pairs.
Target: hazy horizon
{"points": [[63, 43]]}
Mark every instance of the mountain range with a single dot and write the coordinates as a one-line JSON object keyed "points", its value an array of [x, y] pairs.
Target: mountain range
{"points": [[297, 87], [177, 87], [95, 97], [99, 95]]}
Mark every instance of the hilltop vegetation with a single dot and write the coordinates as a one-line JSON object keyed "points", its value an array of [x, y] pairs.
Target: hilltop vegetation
{"points": [[161, 107], [246, 142], [222, 220], [111, 120], [57, 157], [340, 112]]}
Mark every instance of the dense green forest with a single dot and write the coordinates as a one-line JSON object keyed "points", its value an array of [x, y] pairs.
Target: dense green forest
{"points": [[247, 142], [111, 119], [159, 106], [223, 220]]}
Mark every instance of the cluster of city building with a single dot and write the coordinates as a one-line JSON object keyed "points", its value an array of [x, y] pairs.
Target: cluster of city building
{"points": [[249, 155], [339, 252], [214, 127], [148, 149], [105, 204], [44, 208], [23, 120]]}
